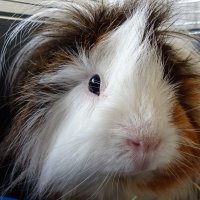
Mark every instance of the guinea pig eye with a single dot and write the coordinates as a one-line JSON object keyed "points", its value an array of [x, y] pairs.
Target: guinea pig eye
{"points": [[94, 84]]}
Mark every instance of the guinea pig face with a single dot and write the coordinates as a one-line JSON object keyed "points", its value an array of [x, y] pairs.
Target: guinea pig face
{"points": [[119, 118], [101, 91]]}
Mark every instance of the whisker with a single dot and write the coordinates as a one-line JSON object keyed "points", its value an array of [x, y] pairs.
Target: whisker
{"points": [[189, 154], [175, 176], [77, 186], [105, 181], [118, 187], [183, 163], [196, 185], [188, 111]]}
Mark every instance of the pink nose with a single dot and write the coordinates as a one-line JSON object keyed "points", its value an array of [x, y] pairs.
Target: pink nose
{"points": [[146, 144]]}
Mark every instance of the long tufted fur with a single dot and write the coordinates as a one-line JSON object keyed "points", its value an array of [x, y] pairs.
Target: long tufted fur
{"points": [[65, 141]]}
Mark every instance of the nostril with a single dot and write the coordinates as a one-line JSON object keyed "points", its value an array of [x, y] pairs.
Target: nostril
{"points": [[145, 144], [134, 143]]}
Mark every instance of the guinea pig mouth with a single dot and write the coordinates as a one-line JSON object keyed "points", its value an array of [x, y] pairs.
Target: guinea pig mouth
{"points": [[143, 152], [142, 165]]}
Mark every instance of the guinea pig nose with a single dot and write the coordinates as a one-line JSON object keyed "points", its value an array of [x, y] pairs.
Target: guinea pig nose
{"points": [[145, 144], [134, 143]]}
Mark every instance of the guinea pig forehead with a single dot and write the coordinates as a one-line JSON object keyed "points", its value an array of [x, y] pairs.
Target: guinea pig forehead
{"points": [[127, 38], [136, 36], [126, 46]]}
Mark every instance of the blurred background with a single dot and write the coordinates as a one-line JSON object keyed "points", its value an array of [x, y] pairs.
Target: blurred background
{"points": [[12, 11], [16, 10]]}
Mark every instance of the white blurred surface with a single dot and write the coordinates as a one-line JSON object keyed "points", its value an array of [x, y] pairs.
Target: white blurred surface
{"points": [[19, 6], [190, 14]]}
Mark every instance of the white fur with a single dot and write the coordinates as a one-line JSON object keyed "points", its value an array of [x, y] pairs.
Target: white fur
{"points": [[83, 146]]}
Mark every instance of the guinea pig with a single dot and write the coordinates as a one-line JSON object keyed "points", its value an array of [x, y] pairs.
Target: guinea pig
{"points": [[102, 102]]}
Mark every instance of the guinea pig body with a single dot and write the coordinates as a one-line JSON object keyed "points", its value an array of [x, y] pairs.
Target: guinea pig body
{"points": [[104, 104]]}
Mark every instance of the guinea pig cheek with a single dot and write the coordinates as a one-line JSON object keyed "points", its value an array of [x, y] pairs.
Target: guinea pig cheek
{"points": [[148, 149], [186, 162], [189, 160]]}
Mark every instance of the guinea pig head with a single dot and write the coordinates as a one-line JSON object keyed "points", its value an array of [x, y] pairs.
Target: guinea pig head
{"points": [[106, 94]]}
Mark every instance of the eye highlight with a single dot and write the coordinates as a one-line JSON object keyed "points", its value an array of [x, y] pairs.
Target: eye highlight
{"points": [[94, 84]]}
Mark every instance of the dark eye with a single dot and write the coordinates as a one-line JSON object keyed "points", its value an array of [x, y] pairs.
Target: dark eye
{"points": [[94, 84]]}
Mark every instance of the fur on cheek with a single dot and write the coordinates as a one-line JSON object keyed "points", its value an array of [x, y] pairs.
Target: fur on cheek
{"points": [[188, 143], [184, 167]]}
